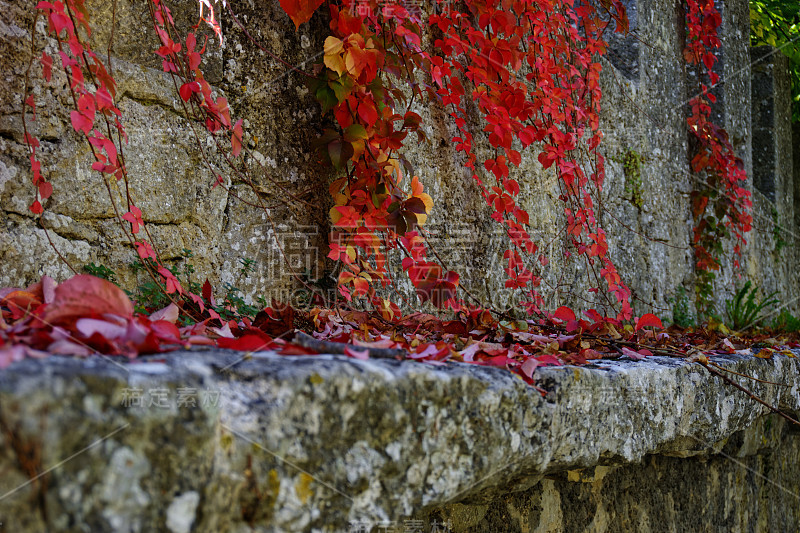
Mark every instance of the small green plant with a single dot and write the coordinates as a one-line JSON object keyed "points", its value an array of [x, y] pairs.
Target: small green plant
{"points": [[248, 266], [786, 323], [234, 306], [743, 310], [148, 295], [777, 232], [100, 271], [704, 295], [632, 166], [681, 312]]}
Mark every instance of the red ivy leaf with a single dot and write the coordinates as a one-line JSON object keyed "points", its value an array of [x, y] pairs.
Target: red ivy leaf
{"points": [[45, 190], [649, 319], [31, 141], [247, 343], [548, 359], [144, 250], [134, 216], [187, 89], [81, 122], [236, 138], [564, 313], [546, 159], [171, 281], [300, 11], [367, 112], [47, 66], [632, 354], [208, 294], [104, 99]]}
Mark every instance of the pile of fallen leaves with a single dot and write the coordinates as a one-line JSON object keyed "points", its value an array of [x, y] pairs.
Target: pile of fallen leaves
{"points": [[87, 315]]}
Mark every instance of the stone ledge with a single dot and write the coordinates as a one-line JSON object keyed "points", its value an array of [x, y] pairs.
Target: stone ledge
{"points": [[309, 443]]}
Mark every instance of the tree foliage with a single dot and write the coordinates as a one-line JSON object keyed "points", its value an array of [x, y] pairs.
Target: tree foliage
{"points": [[777, 23]]}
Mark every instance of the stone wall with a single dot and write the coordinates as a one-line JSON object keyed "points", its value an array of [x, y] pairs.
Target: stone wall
{"points": [[726, 491], [646, 92], [166, 154]]}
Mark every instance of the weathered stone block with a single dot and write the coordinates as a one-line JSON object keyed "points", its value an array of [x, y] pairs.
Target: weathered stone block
{"points": [[318, 443]]}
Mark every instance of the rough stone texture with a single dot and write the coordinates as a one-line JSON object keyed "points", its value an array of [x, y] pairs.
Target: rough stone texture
{"points": [[316, 443], [168, 179], [648, 118], [313, 443], [735, 72], [796, 175], [750, 484], [773, 163], [767, 176], [623, 48]]}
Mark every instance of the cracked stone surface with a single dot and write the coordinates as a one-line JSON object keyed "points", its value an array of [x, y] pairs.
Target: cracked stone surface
{"points": [[214, 441]]}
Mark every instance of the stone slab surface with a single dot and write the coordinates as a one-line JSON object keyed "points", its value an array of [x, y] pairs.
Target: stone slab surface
{"points": [[214, 441]]}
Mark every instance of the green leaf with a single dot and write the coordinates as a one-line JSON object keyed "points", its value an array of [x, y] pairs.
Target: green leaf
{"points": [[326, 97], [355, 132], [341, 87]]}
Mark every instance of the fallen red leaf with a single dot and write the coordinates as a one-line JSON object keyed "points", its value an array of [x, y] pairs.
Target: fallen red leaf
{"points": [[20, 303], [275, 320], [247, 343], [86, 296], [565, 314], [649, 319], [356, 354]]}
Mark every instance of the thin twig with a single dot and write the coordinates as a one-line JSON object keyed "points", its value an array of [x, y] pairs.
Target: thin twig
{"points": [[746, 376], [338, 348], [729, 381]]}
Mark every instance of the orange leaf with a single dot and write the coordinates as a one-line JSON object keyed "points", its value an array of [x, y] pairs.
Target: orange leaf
{"points": [[346, 277], [333, 58], [20, 302], [765, 353]]}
